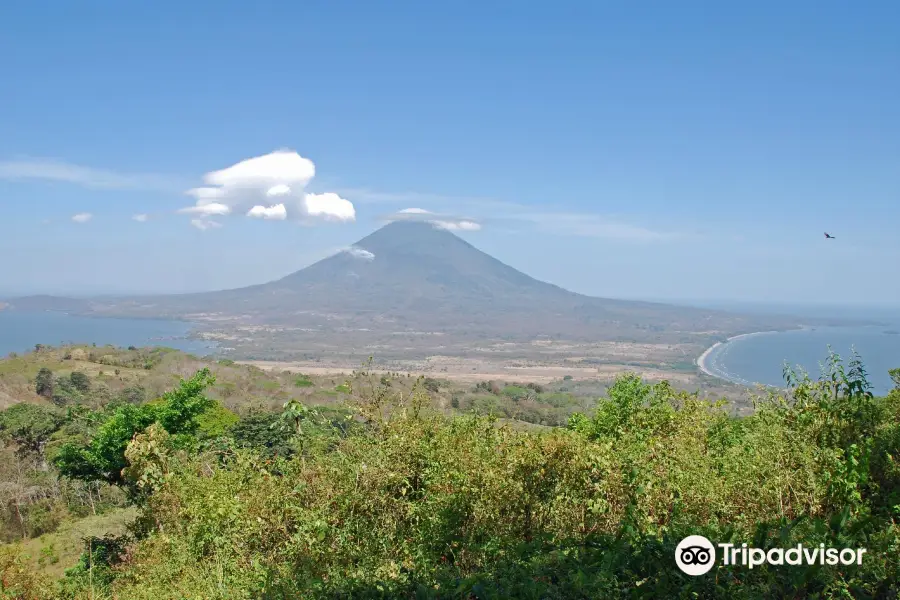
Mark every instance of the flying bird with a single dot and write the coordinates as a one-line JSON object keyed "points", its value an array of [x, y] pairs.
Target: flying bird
{"points": [[829, 237]]}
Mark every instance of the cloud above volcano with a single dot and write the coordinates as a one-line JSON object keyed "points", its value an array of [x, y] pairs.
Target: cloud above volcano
{"points": [[272, 187]]}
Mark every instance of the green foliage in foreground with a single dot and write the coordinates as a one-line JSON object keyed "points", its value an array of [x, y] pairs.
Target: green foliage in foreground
{"points": [[103, 458], [412, 505]]}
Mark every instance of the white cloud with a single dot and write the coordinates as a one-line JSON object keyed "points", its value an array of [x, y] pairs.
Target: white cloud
{"points": [[141, 218], [359, 253], [277, 168], [442, 221], [204, 224], [205, 195], [82, 217], [248, 187], [457, 225], [277, 212], [329, 206], [44, 169], [207, 210]]}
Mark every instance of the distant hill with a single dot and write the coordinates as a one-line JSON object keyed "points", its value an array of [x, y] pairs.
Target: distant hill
{"points": [[412, 276]]}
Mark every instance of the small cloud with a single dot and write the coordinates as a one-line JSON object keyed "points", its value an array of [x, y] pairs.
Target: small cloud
{"points": [[207, 210], [329, 206], [205, 195], [204, 224], [141, 218], [457, 225], [441, 221], [248, 187], [82, 217], [276, 212], [360, 253]]}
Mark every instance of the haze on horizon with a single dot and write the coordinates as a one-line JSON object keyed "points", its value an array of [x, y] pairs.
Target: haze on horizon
{"points": [[689, 154]]}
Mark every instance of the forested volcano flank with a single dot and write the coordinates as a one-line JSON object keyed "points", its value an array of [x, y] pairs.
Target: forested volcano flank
{"points": [[415, 276]]}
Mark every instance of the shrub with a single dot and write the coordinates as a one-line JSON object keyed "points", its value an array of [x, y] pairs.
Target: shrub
{"points": [[303, 381], [43, 383]]}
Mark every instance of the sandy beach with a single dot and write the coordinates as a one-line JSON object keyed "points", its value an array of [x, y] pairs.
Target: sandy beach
{"points": [[701, 360]]}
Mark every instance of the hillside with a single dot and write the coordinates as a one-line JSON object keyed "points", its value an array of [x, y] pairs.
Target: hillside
{"points": [[411, 276], [111, 490], [117, 374]]}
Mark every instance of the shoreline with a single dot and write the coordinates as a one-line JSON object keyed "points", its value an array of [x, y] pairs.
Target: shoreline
{"points": [[701, 360]]}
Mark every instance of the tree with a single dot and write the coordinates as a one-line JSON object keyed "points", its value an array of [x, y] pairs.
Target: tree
{"points": [[293, 413], [103, 458], [262, 433], [43, 383], [133, 394], [180, 408], [64, 392], [29, 426], [80, 381]]}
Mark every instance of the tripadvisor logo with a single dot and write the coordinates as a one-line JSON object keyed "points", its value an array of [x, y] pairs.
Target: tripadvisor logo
{"points": [[696, 555]]}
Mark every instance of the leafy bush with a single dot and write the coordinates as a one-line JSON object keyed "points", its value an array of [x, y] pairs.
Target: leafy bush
{"points": [[303, 381], [30, 426], [515, 392], [80, 382], [43, 383], [261, 433], [215, 421], [103, 458], [95, 568], [134, 394], [18, 579]]}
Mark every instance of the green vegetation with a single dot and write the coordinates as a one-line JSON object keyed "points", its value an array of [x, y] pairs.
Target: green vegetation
{"points": [[390, 496], [303, 381]]}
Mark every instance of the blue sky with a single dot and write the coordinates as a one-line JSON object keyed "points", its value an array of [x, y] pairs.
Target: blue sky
{"points": [[667, 150]]}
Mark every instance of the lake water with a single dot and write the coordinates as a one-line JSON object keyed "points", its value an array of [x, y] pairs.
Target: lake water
{"points": [[20, 332], [759, 358]]}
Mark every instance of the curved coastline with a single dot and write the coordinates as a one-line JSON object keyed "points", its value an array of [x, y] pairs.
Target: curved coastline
{"points": [[707, 370]]}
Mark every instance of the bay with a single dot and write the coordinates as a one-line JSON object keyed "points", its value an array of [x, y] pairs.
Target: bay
{"points": [[759, 358], [20, 332]]}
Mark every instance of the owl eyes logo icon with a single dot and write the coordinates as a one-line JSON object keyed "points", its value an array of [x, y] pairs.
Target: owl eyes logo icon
{"points": [[695, 555]]}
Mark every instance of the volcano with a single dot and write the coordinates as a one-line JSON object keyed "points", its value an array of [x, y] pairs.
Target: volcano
{"points": [[413, 276]]}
